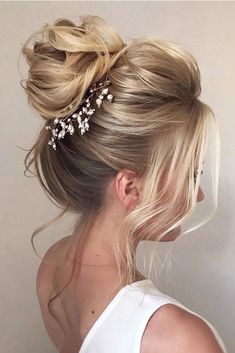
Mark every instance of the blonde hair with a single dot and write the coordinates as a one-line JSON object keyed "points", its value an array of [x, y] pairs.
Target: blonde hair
{"points": [[156, 126]]}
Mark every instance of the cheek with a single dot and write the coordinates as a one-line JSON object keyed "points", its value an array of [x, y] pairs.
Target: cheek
{"points": [[200, 195], [172, 235]]}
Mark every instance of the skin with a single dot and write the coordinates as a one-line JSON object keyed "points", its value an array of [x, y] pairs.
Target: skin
{"points": [[169, 330], [188, 333], [122, 194]]}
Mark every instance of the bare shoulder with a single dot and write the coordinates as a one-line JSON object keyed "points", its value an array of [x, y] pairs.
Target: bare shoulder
{"points": [[172, 329], [44, 288], [48, 265]]}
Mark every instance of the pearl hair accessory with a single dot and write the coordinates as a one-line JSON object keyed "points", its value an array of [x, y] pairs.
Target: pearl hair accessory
{"points": [[65, 125]]}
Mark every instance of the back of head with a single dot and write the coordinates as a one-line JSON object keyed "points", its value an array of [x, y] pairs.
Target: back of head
{"points": [[156, 125]]}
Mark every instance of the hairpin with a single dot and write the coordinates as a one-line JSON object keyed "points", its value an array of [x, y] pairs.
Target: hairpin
{"points": [[62, 126]]}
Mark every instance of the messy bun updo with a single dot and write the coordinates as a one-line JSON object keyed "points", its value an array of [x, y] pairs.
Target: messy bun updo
{"points": [[155, 126]]}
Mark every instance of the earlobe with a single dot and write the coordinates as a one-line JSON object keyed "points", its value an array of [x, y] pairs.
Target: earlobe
{"points": [[133, 203], [132, 195]]}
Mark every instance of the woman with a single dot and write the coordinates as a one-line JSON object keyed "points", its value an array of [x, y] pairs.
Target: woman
{"points": [[122, 146]]}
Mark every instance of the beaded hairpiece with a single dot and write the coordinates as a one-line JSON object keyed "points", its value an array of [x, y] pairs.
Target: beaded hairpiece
{"points": [[65, 124]]}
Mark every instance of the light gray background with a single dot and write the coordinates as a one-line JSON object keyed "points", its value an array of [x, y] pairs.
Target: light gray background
{"points": [[203, 262]]}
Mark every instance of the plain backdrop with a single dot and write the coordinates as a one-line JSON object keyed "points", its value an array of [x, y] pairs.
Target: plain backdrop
{"points": [[202, 274]]}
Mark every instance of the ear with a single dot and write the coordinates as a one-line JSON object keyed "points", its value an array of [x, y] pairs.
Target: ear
{"points": [[127, 187]]}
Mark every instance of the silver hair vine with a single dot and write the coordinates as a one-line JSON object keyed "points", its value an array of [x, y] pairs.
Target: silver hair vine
{"points": [[62, 126]]}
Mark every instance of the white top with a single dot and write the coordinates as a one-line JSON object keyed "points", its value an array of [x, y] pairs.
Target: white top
{"points": [[122, 324]]}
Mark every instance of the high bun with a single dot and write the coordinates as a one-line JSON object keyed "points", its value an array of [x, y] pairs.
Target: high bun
{"points": [[66, 60]]}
